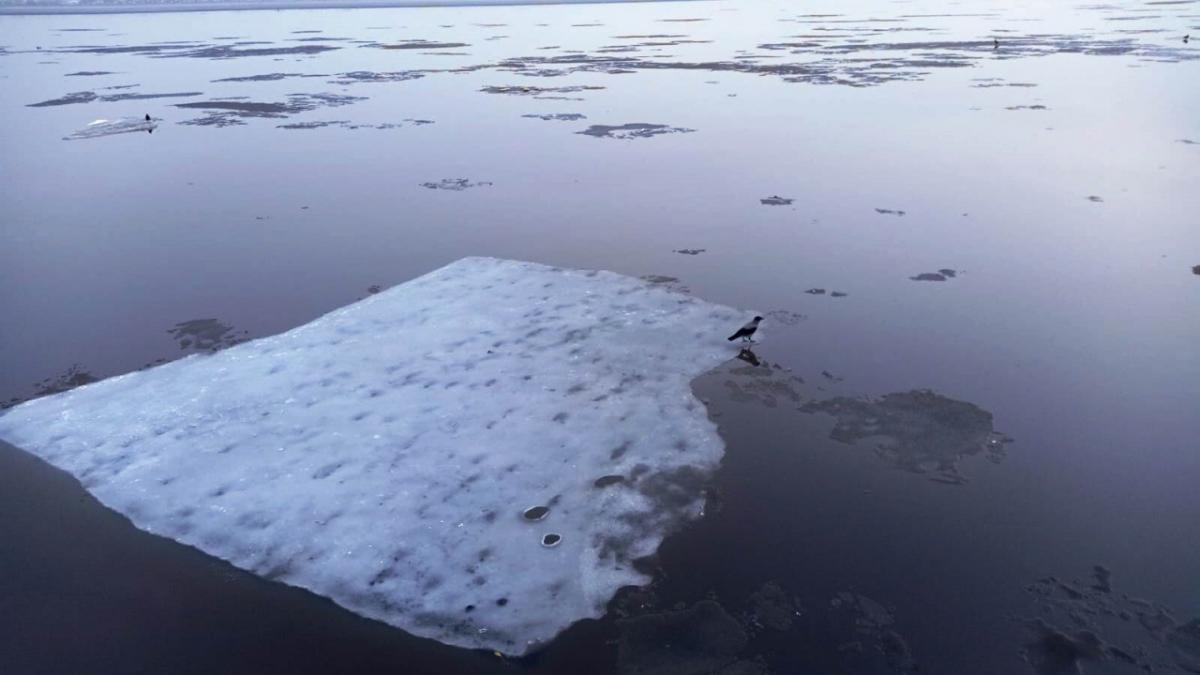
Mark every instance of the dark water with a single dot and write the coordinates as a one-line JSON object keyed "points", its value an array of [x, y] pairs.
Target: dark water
{"points": [[1048, 176]]}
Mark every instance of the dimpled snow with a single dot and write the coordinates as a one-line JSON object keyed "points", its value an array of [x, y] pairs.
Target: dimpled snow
{"points": [[393, 455]]}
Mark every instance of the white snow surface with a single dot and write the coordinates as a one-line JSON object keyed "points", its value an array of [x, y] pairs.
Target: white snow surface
{"points": [[121, 125], [383, 454]]}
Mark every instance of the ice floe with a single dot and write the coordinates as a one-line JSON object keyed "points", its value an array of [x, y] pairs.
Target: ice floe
{"points": [[121, 125], [475, 456]]}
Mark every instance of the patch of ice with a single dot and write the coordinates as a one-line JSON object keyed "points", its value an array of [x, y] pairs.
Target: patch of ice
{"points": [[385, 455], [121, 125]]}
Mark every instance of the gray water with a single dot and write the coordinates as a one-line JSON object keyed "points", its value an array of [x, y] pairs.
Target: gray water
{"points": [[1055, 175]]}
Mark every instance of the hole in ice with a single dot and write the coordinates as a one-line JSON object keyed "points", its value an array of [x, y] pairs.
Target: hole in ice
{"points": [[551, 540], [605, 481], [535, 513]]}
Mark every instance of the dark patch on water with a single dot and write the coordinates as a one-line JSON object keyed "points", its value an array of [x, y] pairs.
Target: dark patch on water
{"points": [[1027, 107], [199, 50], [69, 99], [889, 212], [216, 119], [991, 82], [773, 608], [341, 124], [418, 44], [140, 97], [206, 335], [233, 51], [1095, 199], [361, 76], [224, 112], [454, 184], [918, 431], [1053, 652], [689, 251], [90, 73], [703, 638], [89, 96], [266, 77], [1105, 625], [762, 383], [74, 376], [776, 200], [525, 90], [632, 130], [324, 38], [785, 317], [559, 117], [873, 644], [667, 282]]}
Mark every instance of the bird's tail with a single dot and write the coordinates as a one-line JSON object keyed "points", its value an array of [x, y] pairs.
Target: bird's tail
{"points": [[731, 337]]}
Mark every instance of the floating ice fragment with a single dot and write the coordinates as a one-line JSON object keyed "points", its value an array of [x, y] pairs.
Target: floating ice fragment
{"points": [[367, 455], [121, 125], [632, 130]]}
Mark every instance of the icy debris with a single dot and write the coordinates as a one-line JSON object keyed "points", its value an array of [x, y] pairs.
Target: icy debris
{"points": [[382, 454], [121, 125], [454, 184], [632, 130], [560, 117], [919, 431]]}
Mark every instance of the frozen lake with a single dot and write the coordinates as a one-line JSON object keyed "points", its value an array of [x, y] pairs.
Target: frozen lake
{"points": [[969, 441]]}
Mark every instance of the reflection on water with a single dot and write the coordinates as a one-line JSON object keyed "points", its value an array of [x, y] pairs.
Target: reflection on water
{"points": [[833, 153]]}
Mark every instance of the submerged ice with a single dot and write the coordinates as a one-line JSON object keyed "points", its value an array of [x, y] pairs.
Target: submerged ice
{"points": [[475, 456]]}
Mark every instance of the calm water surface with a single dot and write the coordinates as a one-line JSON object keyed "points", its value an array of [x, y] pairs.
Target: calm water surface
{"points": [[1054, 175]]}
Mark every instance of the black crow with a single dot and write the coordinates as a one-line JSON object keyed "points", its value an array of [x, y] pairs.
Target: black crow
{"points": [[147, 117], [747, 331]]}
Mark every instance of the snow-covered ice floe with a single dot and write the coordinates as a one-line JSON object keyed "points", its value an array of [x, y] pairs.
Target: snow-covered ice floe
{"points": [[388, 455], [121, 125]]}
